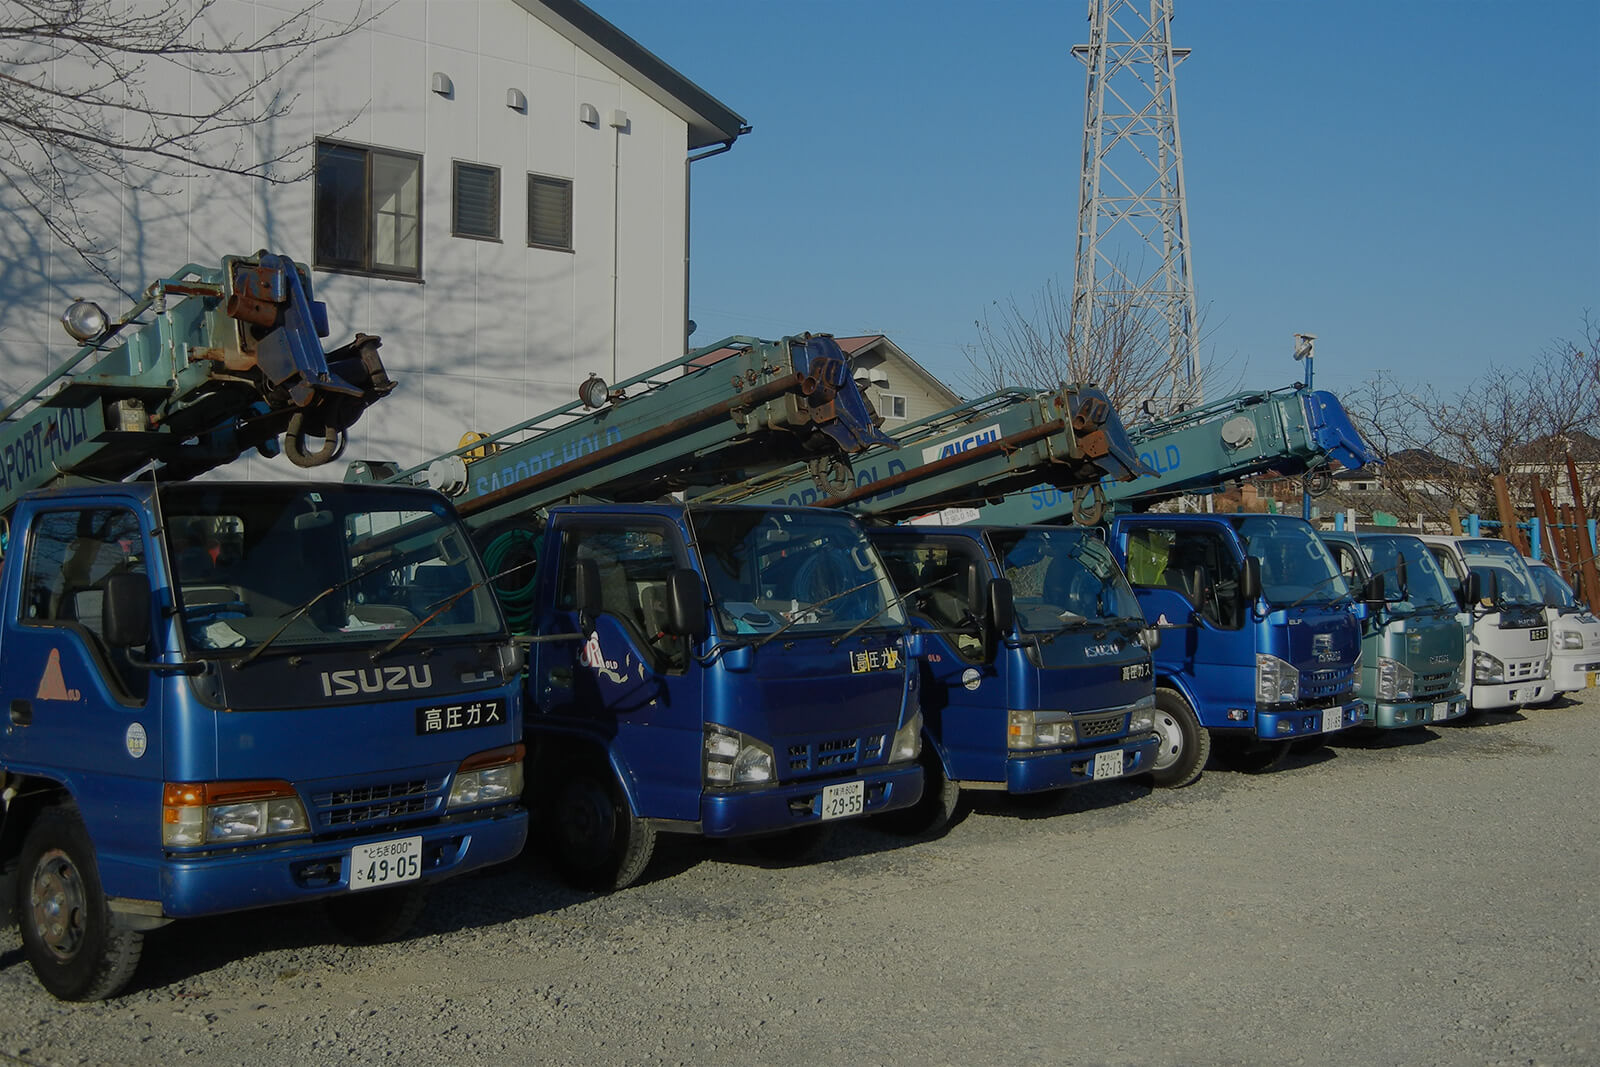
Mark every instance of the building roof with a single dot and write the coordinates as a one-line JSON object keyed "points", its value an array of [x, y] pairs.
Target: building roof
{"points": [[710, 121]]}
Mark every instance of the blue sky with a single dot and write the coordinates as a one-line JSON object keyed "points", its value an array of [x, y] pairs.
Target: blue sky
{"points": [[1417, 182]]}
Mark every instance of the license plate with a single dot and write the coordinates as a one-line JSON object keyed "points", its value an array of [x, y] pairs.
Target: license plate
{"points": [[1332, 719], [1541, 634], [1108, 764], [844, 800], [1441, 712], [385, 863], [1588, 682]]}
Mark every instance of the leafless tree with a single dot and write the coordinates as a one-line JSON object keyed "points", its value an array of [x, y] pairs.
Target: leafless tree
{"points": [[1032, 347], [78, 103]]}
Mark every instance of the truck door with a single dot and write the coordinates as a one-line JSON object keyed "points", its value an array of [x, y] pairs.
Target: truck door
{"points": [[81, 713], [627, 682]]}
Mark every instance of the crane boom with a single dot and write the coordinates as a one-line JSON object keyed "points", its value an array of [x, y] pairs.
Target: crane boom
{"points": [[212, 362]]}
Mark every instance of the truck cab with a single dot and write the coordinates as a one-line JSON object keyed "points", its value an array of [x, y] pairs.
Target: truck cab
{"points": [[1413, 646], [1259, 647], [1036, 675], [226, 695], [725, 671], [1574, 633], [1508, 637]]}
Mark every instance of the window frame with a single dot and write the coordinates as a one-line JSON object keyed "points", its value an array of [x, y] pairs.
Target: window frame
{"points": [[892, 399], [368, 267], [535, 179], [456, 167]]}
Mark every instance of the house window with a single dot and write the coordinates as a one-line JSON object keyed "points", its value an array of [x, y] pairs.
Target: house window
{"points": [[368, 210], [891, 406], [475, 202], [550, 212]]}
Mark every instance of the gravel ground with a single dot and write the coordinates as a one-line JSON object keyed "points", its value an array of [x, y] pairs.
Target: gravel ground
{"points": [[1424, 899]]}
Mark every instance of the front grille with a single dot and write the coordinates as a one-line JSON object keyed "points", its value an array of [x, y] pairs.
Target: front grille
{"points": [[1092, 726], [834, 752], [364, 805], [1320, 686], [1428, 685], [1524, 670]]}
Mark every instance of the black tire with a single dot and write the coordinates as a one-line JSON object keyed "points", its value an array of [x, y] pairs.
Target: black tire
{"points": [[800, 845], [1252, 757], [935, 810], [69, 935], [376, 916], [596, 842], [1185, 744]]}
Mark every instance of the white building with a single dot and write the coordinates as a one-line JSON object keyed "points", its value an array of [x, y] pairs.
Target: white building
{"points": [[501, 193]]}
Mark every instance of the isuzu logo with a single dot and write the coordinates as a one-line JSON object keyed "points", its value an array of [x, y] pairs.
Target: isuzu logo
{"points": [[376, 680]]}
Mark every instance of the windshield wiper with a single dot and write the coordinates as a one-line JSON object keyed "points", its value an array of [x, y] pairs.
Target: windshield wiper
{"points": [[800, 613], [290, 617], [446, 604], [899, 598]]}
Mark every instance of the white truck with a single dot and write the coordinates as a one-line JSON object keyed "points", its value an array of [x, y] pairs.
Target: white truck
{"points": [[1508, 639], [1574, 632]]}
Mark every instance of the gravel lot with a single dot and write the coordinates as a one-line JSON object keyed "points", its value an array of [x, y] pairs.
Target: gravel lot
{"points": [[1425, 899]]}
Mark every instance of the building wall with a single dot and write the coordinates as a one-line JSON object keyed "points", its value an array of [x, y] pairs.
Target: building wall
{"points": [[495, 331]]}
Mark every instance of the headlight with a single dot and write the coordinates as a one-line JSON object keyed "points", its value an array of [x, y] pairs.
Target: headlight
{"points": [[487, 778], [1276, 681], [907, 743], [209, 813], [733, 758], [1142, 719], [1568, 640], [1040, 729], [1486, 668], [1395, 680]]}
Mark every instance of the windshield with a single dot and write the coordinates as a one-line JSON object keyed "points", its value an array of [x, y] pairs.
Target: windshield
{"points": [[246, 558], [1552, 588], [1296, 566], [1500, 570], [1060, 575], [1424, 586], [811, 571]]}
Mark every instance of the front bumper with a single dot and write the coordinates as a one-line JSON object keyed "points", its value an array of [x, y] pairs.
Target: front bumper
{"points": [[1059, 770], [795, 804], [1294, 723], [1494, 696], [1399, 716], [299, 871], [1572, 671]]}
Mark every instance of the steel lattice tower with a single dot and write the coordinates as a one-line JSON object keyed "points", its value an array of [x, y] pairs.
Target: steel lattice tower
{"points": [[1133, 221]]}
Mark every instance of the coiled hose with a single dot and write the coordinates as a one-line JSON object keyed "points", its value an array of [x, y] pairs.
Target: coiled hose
{"points": [[511, 557]]}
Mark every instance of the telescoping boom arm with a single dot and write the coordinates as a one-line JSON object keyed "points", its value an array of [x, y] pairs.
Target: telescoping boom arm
{"points": [[966, 456], [678, 427], [1290, 431], [210, 363]]}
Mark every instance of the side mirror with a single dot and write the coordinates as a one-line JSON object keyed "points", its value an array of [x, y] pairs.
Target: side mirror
{"points": [[974, 581], [586, 593], [1494, 588], [1000, 611], [125, 611], [1250, 580], [1400, 577], [686, 604], [1374, 594], [1150, 638], [1472, 591]]}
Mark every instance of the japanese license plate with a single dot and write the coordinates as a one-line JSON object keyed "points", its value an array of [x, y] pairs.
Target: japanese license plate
{"points": [[385, 863], [1108, 765], [843, 800], [1332, 719], [1441, 712], [1541, 634], [1589, 682]]}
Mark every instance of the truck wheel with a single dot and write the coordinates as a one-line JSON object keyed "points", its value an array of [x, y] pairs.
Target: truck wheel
{"points": [[75, 945], [1185, 744], [799, 845], [1252, 757], [598, 843], [936, 810], [376, 916]]}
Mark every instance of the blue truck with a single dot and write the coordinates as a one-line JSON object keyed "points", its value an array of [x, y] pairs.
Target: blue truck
{"points": [[1036, 673], [1260, 644], [727, 672], [227, 695], [1413, 645]]}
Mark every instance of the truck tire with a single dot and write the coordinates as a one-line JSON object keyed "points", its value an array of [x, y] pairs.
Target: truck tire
{"points": [[1185, 744], [1252, 757], [935, 810], [69, 935], [376, 916], [597, 842]]}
